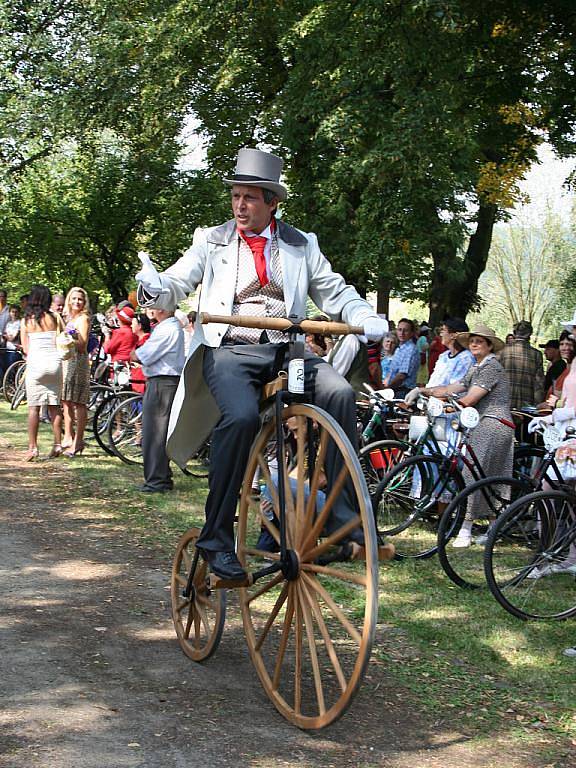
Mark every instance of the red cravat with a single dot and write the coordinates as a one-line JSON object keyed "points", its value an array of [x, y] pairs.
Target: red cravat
{"points": [[257, 244]]}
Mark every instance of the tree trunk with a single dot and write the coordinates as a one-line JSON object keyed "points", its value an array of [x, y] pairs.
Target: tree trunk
{"points": [[453, 290], [383, 297]]}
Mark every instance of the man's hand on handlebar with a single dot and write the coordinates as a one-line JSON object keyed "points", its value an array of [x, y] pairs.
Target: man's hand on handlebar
{"points": [[375, 328]]}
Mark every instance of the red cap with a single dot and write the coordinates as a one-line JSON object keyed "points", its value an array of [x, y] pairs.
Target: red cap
{"points": [[126, 315]]}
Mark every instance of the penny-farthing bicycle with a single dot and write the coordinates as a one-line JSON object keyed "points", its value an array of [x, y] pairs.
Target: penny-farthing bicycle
{"points": [[309, 603]]}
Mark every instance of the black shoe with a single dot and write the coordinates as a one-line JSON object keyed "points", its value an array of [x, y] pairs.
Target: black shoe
{"points": [[224, 564], [266, 542], [150, 489]]}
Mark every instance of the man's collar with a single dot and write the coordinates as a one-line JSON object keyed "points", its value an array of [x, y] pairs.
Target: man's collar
{"points": [[226, 233]]}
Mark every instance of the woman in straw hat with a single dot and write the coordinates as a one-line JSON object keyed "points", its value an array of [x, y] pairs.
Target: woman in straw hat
{"points": [[485, 386]]}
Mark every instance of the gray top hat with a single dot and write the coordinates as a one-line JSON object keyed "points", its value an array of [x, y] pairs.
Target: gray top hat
{"points": [[255, 168]]}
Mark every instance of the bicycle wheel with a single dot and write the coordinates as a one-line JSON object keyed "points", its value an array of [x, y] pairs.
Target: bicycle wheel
{"points": [[410, 499], [101, 418], [19, 395], [198, 614], [486, 500], [12, 376], [528, 553], [309, 629], [527, 458], [379, 457], [199, 464], [125, 430]]}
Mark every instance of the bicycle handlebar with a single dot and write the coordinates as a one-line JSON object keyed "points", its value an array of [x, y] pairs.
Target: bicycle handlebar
{"points": [[282, 324]]}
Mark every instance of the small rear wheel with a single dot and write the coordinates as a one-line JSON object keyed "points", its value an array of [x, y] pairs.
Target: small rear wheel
{"points": [[198, 613]]}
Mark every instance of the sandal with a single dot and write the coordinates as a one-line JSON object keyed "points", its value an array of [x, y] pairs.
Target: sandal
{"points": [[55, 452], [76, 452], [31, 454]]}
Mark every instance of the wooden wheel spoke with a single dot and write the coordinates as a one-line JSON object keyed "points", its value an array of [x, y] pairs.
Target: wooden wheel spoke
{"points": [[290, 507], [184, 604], [333, 539], [310, 596], [297, 654], [270, 585], [273, 614], [301, 463], [261, 553], [197, 630], [315, 480], [338, 612], [263, 464], [181, 580], [204, 618], [191, 615], [309, 626], [285, 636], [336, 573], [334, 493]]}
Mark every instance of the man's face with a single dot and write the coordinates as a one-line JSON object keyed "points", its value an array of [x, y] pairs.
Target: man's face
{"points": [[3, 297], [250, 210], [404, 332], [551, 353]]}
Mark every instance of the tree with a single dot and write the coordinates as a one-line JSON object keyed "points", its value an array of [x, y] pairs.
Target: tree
{"points": [[80, 214], [528, 273]]}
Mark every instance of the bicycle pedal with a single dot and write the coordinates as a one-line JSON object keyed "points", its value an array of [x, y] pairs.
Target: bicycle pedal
{"points": [[217, 582]]}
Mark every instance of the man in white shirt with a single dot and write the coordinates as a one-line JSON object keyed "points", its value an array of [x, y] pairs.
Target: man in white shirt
{"points": [[162, 359]]}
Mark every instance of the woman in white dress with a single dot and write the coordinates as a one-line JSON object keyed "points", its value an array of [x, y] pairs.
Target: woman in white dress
{"points": [[38, 331]]}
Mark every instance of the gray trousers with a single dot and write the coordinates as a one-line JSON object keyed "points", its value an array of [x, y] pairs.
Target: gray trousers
{"points": [[156, 405], [235, 375]]}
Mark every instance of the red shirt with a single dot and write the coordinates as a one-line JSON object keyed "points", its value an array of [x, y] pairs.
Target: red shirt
{"points": [[434, 351], [120, 344], [137, 378]]}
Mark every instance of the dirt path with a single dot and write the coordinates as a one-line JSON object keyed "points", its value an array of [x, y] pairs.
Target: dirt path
{"points": [[91, 675]]}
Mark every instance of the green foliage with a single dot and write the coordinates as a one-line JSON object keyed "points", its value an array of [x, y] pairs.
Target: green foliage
{"points": [[78, 216], [406, 126]]}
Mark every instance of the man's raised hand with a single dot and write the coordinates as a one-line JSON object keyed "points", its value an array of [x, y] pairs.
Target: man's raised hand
{"points": [[148, 276]]}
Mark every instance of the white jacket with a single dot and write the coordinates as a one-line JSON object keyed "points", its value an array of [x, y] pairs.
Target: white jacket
{"points": [[212, 260]]}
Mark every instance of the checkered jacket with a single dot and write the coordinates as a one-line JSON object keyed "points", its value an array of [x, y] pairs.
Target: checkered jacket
{"points": [[525, 370]]}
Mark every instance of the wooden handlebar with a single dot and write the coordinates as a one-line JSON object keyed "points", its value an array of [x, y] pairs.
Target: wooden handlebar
{"points": [[324, 327]]}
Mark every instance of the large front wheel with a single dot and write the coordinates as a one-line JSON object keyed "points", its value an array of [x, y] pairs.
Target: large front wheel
{"points": [[310, 626]]}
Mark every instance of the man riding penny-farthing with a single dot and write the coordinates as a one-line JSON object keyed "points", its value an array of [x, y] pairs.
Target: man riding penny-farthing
{"points": [[257, 266]]}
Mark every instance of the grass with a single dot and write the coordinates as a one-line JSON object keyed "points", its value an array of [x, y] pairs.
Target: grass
{"points": [[455, 656]]}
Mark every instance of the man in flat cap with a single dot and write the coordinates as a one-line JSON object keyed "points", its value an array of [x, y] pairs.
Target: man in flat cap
{"points": [[254, 264]]}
